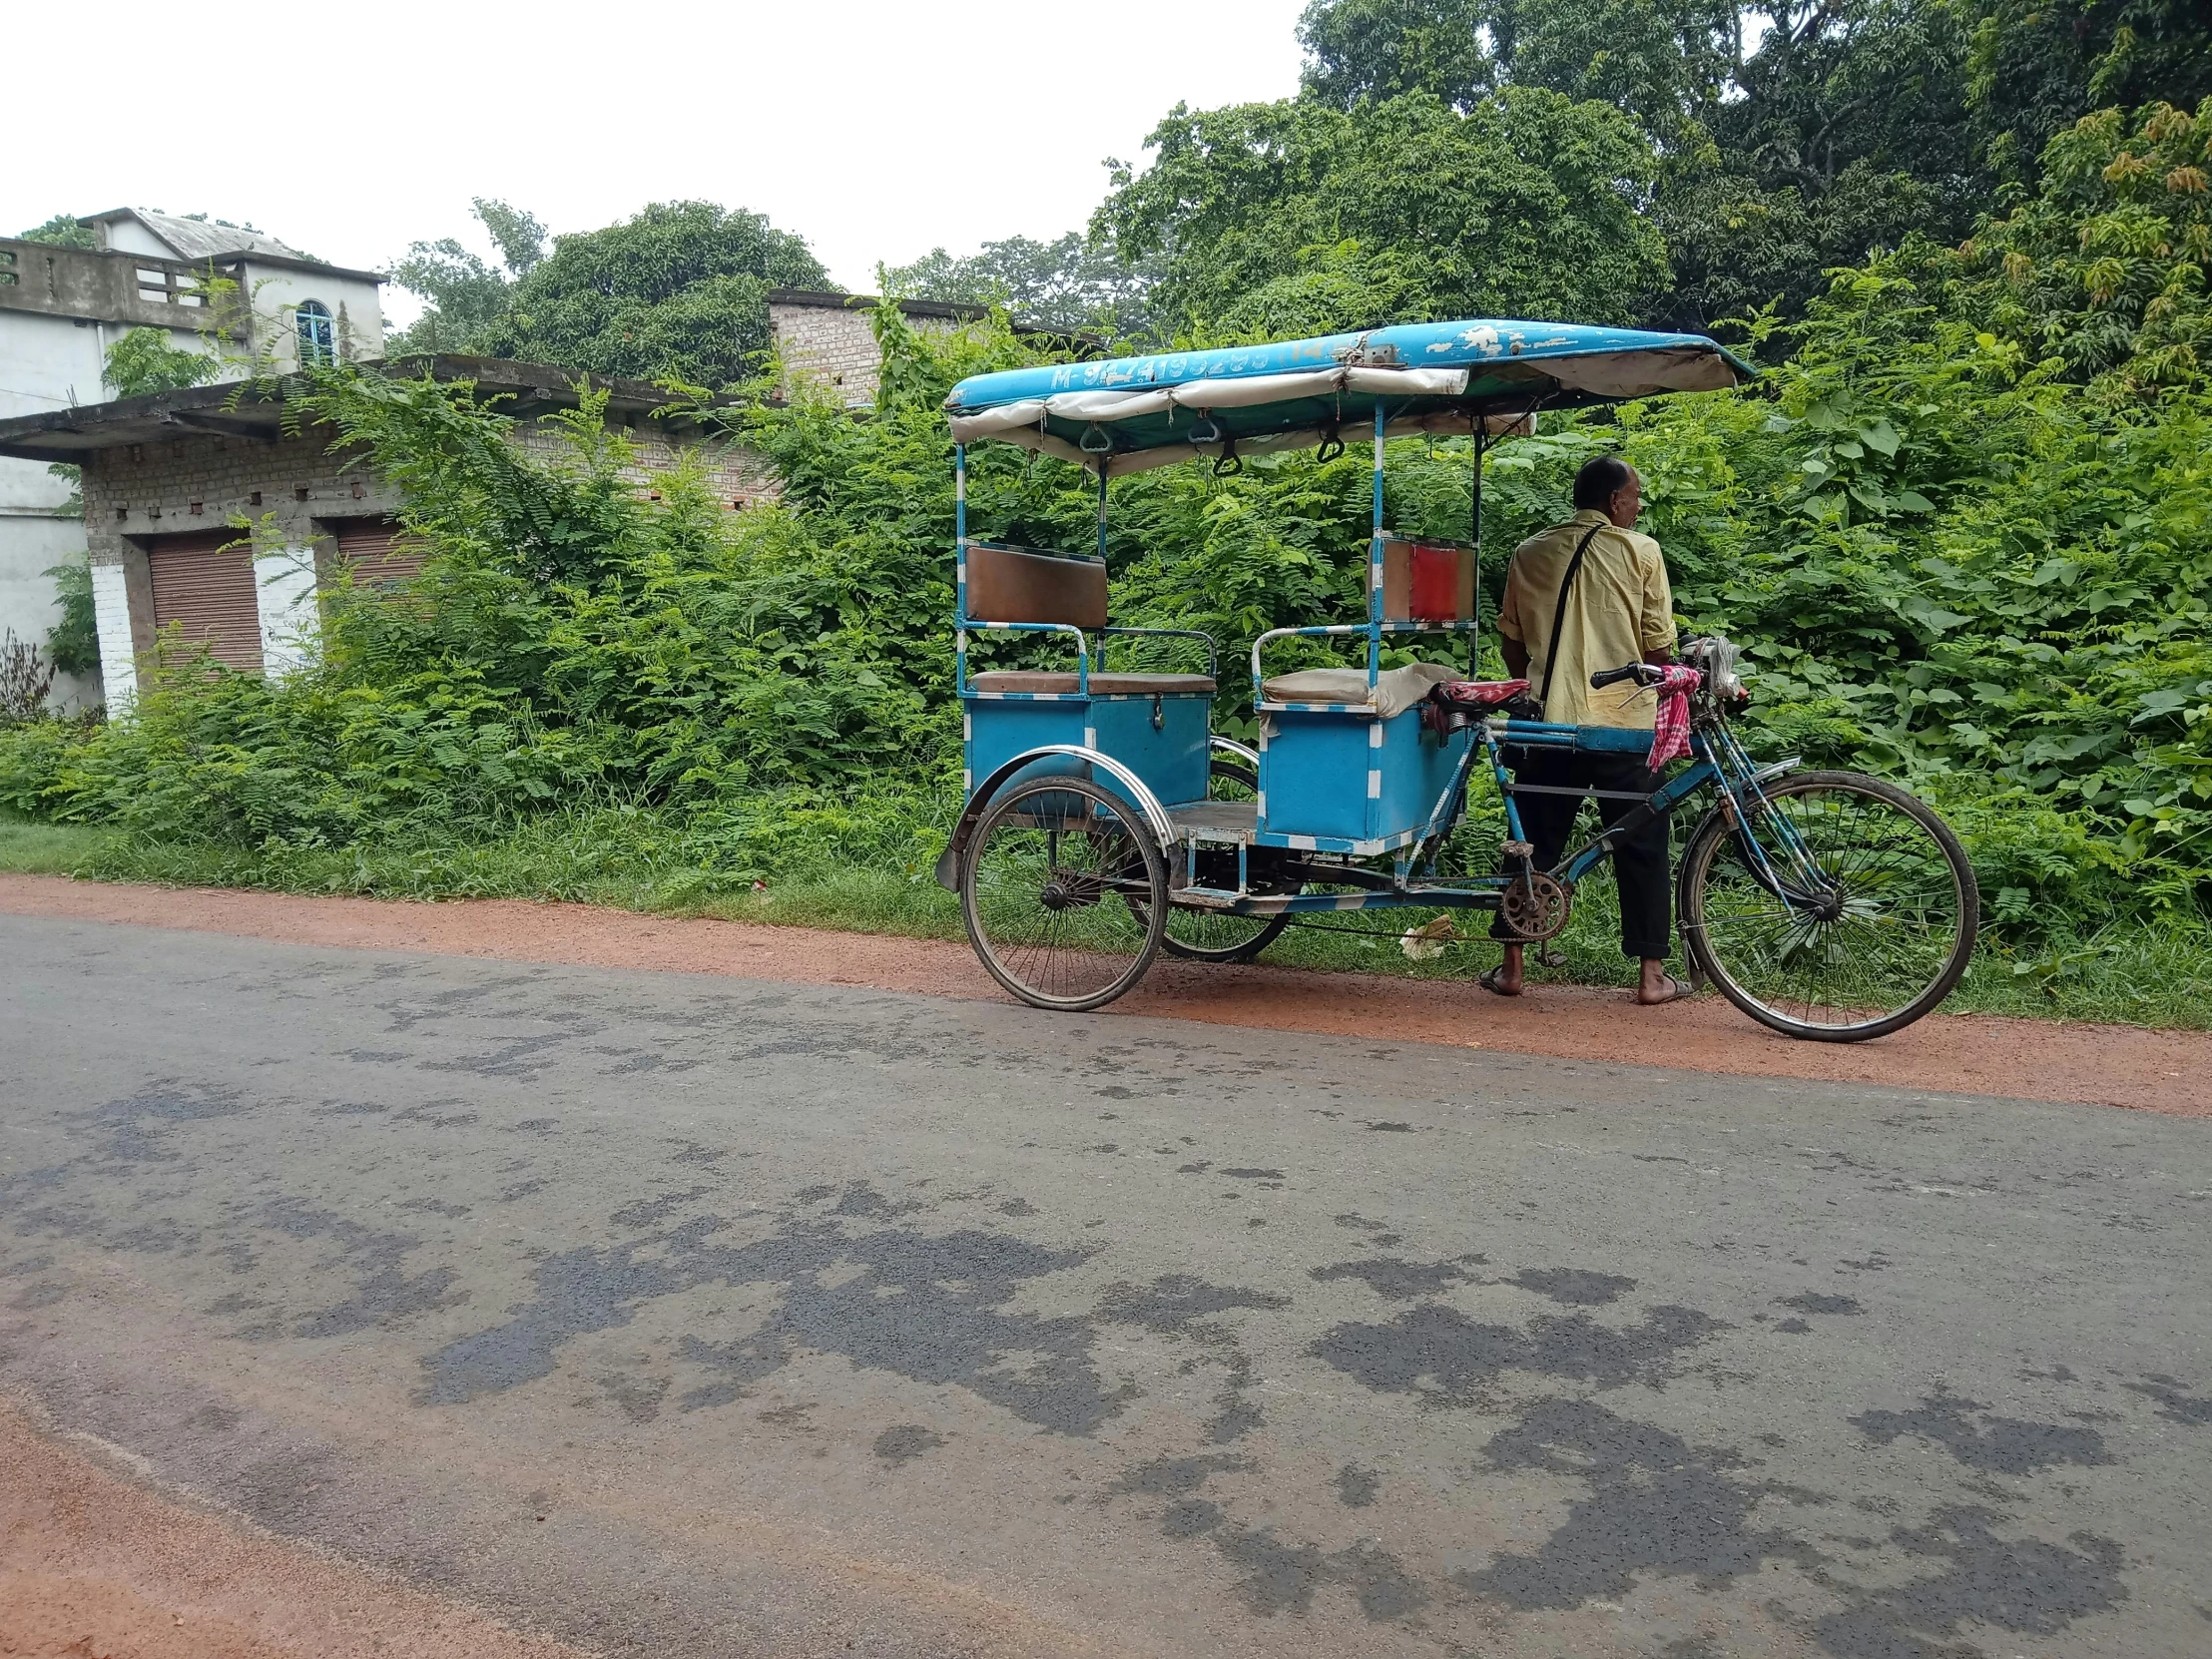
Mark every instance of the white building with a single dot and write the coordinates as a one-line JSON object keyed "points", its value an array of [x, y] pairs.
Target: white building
{"points": [[244, 299]]}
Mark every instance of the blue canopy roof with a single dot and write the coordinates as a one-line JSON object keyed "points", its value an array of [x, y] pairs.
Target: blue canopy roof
{"points": [[1139, 412]]}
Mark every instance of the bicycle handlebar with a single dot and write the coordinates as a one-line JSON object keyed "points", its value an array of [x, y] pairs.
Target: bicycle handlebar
{"points": [[1644, 674]]}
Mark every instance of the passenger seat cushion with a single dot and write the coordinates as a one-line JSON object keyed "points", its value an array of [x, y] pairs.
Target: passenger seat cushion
{"points": [[1397, 689], [1102, 684]]}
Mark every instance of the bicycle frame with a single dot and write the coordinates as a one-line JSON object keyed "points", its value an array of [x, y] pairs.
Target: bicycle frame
{"points": [[1718, 759]]}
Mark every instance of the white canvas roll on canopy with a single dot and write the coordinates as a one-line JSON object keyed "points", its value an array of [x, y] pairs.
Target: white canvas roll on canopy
{"points": [[1437, 423], [1256, 389], [991, 423], [1109, 406], [1103, 409], [1639, 373]]}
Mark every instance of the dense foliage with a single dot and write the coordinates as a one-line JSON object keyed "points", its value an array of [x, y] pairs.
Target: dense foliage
{"points": [[144, 361], [2107, 269], [1772, 141], [62, 231], [1948, 564], [73, 643], [2038, 66]]}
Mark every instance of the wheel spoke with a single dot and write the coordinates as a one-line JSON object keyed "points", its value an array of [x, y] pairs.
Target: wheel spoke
{"points": [[1046, 883], [1886, 931]]}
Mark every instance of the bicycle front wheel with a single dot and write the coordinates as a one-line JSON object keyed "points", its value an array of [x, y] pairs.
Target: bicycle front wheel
{"points": [[1856, 917]]}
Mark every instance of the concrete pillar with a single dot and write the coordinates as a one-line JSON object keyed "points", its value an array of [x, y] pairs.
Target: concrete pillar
{"points": [[285, 587], [110, 610]]}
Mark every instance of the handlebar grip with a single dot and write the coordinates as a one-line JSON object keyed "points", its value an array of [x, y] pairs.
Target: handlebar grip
{"points": [[1642, 672]]}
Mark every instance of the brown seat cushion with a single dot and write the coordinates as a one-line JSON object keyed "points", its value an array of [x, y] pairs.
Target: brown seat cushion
{"points": [[1102, 684]]}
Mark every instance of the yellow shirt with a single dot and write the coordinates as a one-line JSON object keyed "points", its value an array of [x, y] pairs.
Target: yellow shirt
{"points": [[1621, 610]]}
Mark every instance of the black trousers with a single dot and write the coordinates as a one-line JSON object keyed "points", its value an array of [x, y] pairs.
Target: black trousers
{"points": [[1639, 861]]}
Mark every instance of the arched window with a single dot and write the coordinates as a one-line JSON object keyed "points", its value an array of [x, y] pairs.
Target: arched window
{"points": [[319, 339]]}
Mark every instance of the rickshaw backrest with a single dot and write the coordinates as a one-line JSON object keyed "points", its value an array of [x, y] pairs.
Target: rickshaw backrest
{"points": [[1006, 584]]}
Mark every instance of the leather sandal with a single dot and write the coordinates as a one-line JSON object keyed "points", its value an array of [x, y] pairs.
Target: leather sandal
{"points": [[1677, 989], [1492, 982]]}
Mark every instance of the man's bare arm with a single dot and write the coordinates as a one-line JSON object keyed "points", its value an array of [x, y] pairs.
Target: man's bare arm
{"points": [[1517, 656]]}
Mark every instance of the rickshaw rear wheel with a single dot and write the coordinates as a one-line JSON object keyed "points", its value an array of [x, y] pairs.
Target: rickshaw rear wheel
{"points": [[1064, 892], [1212, 936], [1882, 945]]}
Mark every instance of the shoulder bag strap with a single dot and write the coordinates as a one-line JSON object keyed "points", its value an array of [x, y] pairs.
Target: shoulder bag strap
{"points": [[1560, 616]]}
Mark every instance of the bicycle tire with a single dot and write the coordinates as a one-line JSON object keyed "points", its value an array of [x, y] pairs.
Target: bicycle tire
{"points": [[1100, 962], [1715, 835]]}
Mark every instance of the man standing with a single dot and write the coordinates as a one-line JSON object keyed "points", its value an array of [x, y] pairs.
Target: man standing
{"points": [[1616, 608]]}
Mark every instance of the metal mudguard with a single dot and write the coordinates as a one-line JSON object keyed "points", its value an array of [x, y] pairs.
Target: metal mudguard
{"points": [[1123, 781]]}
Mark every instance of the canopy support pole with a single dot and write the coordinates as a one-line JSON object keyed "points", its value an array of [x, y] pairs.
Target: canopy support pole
{"points": [[959, 566], [1374, 564], [1482, 436], [1102, 544]]}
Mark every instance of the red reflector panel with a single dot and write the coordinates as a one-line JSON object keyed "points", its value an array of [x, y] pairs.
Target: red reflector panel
{"points": [[1436, 582]]}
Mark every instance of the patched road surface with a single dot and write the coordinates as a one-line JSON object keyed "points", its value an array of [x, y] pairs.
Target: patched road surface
{"points": [[667, 1315]]}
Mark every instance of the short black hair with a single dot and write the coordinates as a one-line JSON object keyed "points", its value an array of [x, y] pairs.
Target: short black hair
{"points": [[1601, 479]]}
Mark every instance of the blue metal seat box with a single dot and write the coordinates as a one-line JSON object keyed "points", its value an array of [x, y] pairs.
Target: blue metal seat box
{"points": [[1344, 781], [1159, 734]]}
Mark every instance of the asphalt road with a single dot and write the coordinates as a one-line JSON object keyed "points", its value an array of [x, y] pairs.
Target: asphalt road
{"points": [[676, 1314]]}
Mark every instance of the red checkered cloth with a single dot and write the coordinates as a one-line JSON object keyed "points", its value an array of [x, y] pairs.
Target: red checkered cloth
{"points": [[1670, 731]]}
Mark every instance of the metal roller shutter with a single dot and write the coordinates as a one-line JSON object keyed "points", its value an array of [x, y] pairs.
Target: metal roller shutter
{"points": [[204, 583], [378, 552]]}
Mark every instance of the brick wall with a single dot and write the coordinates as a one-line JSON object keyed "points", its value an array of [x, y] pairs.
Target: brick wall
{"points": [[736, 477], [204, 482], [825, 343]]}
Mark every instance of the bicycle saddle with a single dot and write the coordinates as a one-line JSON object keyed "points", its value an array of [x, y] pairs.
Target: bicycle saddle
{"points": [[1475, 694]]}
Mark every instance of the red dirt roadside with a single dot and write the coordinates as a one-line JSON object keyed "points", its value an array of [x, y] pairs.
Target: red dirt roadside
{"points": [[95, 1567], [2109, 1065]]}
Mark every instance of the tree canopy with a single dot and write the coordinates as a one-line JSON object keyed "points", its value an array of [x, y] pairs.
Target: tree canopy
{"points": [[679, 290], [62, 231], [1299, 216], [1370, 50], [1790, 136], [144, 361], [1069, 285], [2038, 66], [2105, 271], [467, 293]]}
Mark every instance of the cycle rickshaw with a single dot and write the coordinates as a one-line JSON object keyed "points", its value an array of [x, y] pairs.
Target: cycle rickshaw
{"points": [[1829, 906]]}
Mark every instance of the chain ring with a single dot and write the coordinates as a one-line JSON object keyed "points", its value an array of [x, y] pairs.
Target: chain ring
{"points": [[1535, 906]]}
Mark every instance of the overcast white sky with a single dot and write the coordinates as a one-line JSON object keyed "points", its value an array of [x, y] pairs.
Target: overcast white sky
{"points": [[875, 130]]}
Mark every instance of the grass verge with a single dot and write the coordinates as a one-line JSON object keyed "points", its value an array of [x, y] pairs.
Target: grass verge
{"points": [[2129, 974]]}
